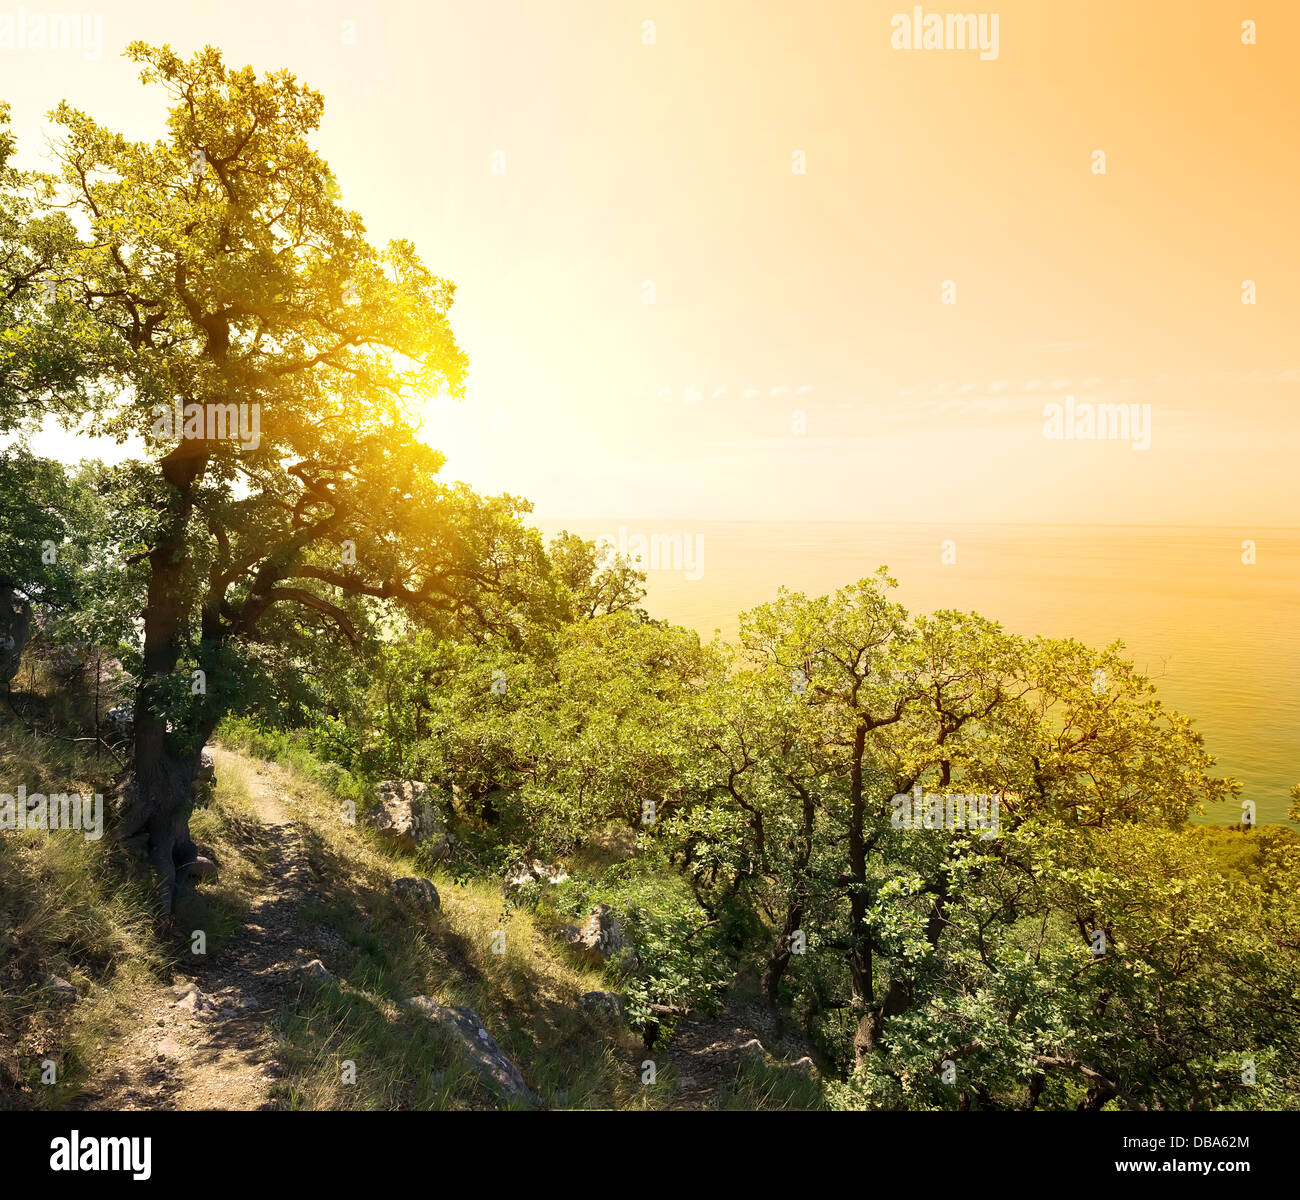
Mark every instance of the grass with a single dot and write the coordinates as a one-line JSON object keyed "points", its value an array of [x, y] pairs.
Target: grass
{"points": [[768, 1083], [82, 910], [69, 908], [474, 952]]}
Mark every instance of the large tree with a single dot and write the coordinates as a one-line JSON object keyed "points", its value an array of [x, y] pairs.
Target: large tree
{"points": [[47, 347], [292, 499], [1024, 956]]}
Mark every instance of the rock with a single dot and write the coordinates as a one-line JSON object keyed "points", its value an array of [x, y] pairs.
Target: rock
{"points": [[196, 869], [316, 972], [207, 772], [169, 1047], [601, 939], [534, 871], [605, 1004], [418, 892], [118, 725], [64, 992], [406, 818], [194, 1001], [753, 1048], [463, 1026], [804, 1064]]}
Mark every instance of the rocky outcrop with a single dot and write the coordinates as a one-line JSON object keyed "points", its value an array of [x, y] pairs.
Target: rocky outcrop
{"points": [[601, 939], [117, 726], [406, 817], [463, 1027], [533, 871], [207, 772], [604, 1004], [418, 892]]}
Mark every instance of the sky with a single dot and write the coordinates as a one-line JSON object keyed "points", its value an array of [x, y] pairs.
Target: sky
{"points": [[703, 249]]}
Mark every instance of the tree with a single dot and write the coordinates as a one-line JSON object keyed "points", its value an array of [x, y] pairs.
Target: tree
{"points": [[837, 764], [269, 355], [47, 347]]}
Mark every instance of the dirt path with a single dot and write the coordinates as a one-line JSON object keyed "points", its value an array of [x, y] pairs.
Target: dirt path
{"points": [[708, 1053], [204, 1042]]}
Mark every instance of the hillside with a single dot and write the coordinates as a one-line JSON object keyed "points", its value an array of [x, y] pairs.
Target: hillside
{"points": [[309, 959]]}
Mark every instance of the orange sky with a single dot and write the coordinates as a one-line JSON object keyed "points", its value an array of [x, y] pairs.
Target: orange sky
{"points": [[821, 292]]}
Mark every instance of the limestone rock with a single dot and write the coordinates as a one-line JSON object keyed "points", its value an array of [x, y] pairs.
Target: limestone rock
{"points": [[418, 892], [601, 939], [531, 871], [316, 972], [467, 1031], [207, 772], [605, 1004], [406, 817], [117, 726], [64, 992], [194, 1001]]}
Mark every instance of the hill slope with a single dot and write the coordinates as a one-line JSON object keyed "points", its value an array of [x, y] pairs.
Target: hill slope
{"points": [[249, 1024]]}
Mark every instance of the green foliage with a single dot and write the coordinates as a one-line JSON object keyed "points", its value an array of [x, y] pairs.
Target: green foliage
{"points": [[682, 959]]}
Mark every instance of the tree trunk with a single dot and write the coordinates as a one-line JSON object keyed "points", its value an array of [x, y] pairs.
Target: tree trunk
{"points": [[15, 629], [780, 958], [162, 787], [166, 762], [866, 1037]]}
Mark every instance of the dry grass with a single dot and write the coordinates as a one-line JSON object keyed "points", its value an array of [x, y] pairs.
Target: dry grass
{"points": [[526, 995], [70, 908]]}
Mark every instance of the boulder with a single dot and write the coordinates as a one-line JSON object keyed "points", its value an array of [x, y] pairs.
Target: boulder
{"points": [[417, 892], [64, 992], [604, 1004], [406, 817], [532, 871], [463, 1027], [117, 727], [316, 972], [601, 939], [207, 772]]}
